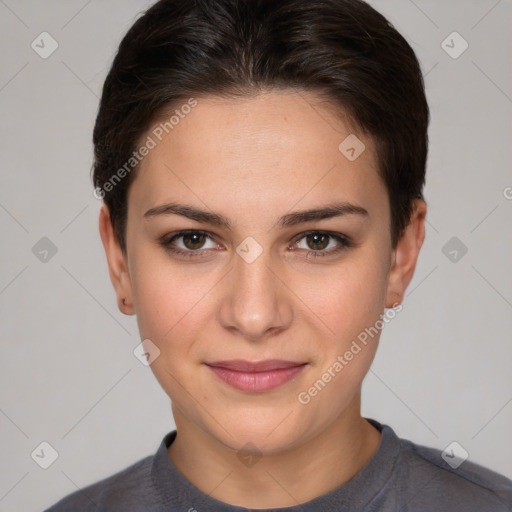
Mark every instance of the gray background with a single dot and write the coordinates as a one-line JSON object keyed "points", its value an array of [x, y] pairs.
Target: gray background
{"points": [[67, 372]]}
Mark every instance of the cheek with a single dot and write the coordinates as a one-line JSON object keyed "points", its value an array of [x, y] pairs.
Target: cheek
{"points": [[350, 296], [171, 311], [164, 295], [350, 302]]}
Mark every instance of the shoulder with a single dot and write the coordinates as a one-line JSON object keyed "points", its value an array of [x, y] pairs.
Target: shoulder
{"points": [[427, 479], [121, 491]]}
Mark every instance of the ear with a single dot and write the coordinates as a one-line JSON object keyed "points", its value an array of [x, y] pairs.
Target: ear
{"points": [[405, 255], [117, 264]]}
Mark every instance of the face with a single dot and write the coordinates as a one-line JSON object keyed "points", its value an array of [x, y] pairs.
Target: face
{"points": [[251, 236]]}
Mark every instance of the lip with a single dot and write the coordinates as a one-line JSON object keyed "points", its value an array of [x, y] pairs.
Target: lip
{"points": [[241, 365], [257, 376]]}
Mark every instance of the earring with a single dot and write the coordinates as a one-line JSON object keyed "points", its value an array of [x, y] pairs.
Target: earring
{"points": [[123, 301]]}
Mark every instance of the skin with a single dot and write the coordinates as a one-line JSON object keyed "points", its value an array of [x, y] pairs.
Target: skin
{"points": [[254, 160]]}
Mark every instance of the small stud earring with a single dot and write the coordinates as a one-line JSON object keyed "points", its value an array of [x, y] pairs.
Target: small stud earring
{"points": [[124, 301]]}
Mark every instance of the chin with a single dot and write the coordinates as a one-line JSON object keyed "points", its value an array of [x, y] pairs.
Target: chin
{"points": [[270, 435]]}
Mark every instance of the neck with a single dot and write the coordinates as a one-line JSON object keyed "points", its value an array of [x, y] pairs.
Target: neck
{"points": [[282, 479]]}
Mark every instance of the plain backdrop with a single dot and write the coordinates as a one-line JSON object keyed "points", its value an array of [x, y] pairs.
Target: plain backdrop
{"points": [[68, 376]]}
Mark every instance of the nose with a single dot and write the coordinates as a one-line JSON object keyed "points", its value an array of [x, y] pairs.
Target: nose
{"points": [[255, 304]]}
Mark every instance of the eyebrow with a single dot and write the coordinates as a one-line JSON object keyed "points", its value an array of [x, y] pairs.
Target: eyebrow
{"points": [[290, 219]]}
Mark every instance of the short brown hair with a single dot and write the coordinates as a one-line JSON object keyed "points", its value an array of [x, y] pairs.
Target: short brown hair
{"points": [[343, 49]]}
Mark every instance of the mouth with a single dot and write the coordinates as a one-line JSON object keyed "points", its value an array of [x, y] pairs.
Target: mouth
{"points": [[255, 376]]}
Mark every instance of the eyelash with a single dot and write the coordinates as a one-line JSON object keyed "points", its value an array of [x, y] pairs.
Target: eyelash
{"points": [[343, 243]]}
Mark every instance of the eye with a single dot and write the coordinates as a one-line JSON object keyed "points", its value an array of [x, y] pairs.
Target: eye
{"points": [[189, 243], [322, 243], [196, 243]]}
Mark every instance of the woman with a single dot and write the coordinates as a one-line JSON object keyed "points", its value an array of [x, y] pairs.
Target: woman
{"points": [[261, 165]]}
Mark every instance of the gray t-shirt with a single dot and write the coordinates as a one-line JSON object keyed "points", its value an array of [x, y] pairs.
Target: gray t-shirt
{"points": [[400, 477]]}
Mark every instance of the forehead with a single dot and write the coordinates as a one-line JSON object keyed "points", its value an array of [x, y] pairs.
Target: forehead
{"points": [[265, 151]]}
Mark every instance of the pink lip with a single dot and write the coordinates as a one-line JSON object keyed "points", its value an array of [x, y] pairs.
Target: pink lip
{"points": [[256, 376]]}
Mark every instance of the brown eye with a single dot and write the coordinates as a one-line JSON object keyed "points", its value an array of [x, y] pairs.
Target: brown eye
{"points": [[193, 240], [189, 243], [317, 241], [322, 243]]}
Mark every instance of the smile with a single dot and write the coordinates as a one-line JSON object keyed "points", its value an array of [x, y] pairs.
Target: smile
{"points": [[256, 377]]}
